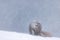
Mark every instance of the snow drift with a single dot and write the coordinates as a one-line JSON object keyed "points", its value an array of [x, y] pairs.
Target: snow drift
{"points": [[5, 35]]}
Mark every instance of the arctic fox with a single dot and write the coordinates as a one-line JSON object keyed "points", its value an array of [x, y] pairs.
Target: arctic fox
{"points": [[35, 28]]}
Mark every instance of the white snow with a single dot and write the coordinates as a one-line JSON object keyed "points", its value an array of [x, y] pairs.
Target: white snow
{"points": [[5, 35]]}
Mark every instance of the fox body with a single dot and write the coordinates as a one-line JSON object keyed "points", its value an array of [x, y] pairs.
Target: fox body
{"points": [[35, 28]]}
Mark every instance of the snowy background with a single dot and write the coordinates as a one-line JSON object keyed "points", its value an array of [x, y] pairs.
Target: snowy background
{"points": [[5, 35], [15, 15]]}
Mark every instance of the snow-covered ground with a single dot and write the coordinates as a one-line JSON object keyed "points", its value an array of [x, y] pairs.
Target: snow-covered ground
{"points": [[5, 35]]}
